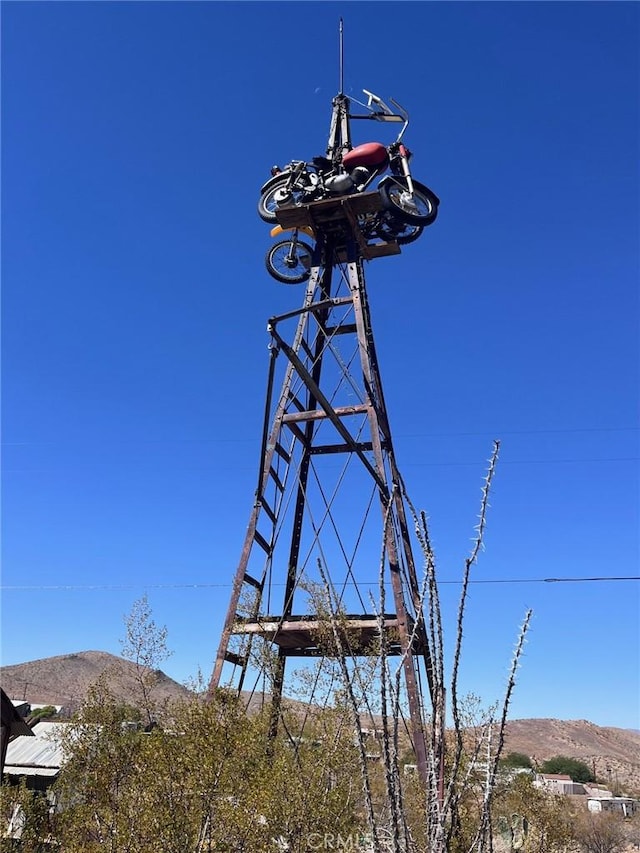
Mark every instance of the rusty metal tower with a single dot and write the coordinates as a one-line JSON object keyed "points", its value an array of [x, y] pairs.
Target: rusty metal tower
{"points": [[329, 492]]}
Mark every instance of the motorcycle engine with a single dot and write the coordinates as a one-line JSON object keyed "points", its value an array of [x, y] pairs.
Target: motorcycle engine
{"points": [[340, 184], [360, 175]]}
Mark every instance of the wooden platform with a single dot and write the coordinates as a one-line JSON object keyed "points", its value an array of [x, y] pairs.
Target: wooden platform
{"points": [[341, 214], [308, 636]]}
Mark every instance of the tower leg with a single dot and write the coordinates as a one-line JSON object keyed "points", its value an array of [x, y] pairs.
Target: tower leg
{"points": [[330, 409]]}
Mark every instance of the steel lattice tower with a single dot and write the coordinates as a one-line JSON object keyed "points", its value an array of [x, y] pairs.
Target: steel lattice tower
{"points": [[329, 500]]}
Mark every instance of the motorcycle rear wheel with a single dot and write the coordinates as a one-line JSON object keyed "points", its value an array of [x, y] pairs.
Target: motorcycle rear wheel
{"points": [[278, 192], [392, 228], [268, 202], [289, 261], [419, 208]]}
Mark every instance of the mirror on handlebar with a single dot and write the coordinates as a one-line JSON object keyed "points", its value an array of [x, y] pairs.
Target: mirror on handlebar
{"points": [[386, 113], [379, 111]]}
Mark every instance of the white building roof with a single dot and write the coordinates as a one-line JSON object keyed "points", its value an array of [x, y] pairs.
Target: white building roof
{"points": [[40, 755]]}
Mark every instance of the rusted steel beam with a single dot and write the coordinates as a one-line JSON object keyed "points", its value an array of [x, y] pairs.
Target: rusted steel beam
{"points": [[378, 418], [270, 444], [330, 413], [311, 381], [313, 306], [320, 449], [341, 411]]}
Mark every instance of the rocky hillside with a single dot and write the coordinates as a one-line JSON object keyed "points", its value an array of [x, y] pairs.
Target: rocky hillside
{"points": [[612, 754], [65, 679]]}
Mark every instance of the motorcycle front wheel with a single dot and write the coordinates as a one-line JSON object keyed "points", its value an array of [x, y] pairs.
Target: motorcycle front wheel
{"points": [[289, 261], [278, 192], [418, 208]]}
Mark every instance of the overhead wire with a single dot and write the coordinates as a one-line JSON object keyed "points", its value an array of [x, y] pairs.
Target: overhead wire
{"points": [[397, 435], [90, 587]]}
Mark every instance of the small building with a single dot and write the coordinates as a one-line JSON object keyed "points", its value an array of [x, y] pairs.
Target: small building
{"points": [[557, 783], [594, 790], [37, 759], [625, 806]]}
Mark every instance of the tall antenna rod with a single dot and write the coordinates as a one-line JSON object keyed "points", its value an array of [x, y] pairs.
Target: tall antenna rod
{"points": [[341, 60]]}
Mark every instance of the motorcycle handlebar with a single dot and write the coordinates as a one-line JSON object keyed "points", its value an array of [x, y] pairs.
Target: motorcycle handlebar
{"points": [[385, 112]]}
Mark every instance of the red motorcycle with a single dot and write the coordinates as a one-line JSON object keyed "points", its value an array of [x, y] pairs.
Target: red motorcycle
{"points": [[403, 198]]}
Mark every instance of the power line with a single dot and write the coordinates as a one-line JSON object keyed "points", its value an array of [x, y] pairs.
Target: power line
{"points": [[406, 465], [218, 440], [501, 432], [528, 461], [91, 587]]}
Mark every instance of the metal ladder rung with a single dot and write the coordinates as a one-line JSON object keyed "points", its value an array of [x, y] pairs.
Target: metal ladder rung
{"points": [[251, 580], [262, 542], [282, 453], [268, 510], [297, 432], [232, 657], [276, 479], [296, 402]]}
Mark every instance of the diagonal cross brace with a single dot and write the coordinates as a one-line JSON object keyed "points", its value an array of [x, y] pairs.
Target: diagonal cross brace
{"points": [[330, 412]]}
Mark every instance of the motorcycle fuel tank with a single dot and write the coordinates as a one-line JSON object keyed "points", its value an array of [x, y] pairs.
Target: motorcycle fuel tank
{"points": [[369, 154]]}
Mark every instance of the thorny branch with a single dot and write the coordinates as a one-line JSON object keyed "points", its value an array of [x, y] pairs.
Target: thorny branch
{"points": [[484, 830], [469, 562], [353, 705], [446, 783]]}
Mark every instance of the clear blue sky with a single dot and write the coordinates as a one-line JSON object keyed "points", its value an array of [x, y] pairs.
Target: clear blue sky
{"points": [[135, 137]]}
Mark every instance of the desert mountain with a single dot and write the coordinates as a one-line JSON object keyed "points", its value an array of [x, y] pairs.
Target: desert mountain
{"points": [[65, 679], [613, 754]]}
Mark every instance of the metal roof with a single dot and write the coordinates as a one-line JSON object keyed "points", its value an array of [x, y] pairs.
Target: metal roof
{"points": [[36, 756], [23, 770]]}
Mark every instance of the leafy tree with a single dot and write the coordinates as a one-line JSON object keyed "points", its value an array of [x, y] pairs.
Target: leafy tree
{"points": [[25, 816], [516, 759], [145, 645], [38, 714], [561, 764], [203, 781]]}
